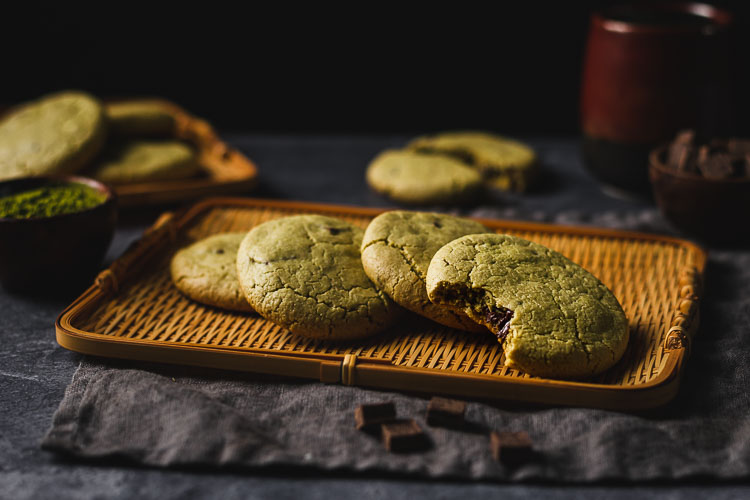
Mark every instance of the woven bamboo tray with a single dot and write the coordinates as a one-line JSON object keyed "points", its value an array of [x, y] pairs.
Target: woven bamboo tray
{"points": [[225, 170], [133, 311]]}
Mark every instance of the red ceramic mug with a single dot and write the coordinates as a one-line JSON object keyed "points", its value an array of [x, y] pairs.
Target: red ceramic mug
{"points": [[651, 70]]}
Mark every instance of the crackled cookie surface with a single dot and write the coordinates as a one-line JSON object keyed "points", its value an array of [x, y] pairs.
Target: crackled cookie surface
{"points": [[414, 178], [140, 118], [504, 163], [56, 134], [554, 318], [396, 252], [143, 161], [305, 273], [206, 271]]}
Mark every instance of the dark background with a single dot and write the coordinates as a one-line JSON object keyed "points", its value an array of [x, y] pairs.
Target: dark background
{"points": [[359, 68]]}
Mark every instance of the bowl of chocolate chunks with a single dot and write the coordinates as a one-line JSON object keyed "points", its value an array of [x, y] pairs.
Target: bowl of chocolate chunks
{"points": [[703, 187]]}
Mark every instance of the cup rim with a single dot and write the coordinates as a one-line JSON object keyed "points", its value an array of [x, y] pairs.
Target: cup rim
{"points": [[721, 19], [109, 194], [656, 162]]}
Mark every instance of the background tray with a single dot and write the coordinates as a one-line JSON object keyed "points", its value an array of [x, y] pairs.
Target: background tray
{"points": [[133, 311], [227, 171]]}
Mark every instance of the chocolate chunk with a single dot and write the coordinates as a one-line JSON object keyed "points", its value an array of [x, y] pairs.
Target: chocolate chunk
{"points": [[738, 147], [498, 319], [685, 137], [370, 417], [404, 436], [681, 151], [715, 166], [442, 412], [335, 230], [718, 145], [511, 448], [682, 157]]}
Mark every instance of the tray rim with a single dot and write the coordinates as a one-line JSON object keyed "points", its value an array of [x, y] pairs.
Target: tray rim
{"points": [[655, 392]]}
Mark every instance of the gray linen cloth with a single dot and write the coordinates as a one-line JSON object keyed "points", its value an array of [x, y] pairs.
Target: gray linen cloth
{"points": [[161, 415]]}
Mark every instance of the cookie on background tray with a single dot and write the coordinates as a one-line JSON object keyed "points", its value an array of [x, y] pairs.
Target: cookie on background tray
{"points": [[554, 318], [422, 179], [56, 134], [139, 118], [504, 163], [396, 252], [206, 271], [305, 274], [146, 161]]}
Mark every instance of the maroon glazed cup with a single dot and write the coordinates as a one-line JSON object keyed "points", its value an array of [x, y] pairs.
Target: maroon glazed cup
{"points": [[651, 70]]}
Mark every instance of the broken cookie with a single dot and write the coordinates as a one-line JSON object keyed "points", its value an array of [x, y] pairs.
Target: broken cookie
{"points": [[504, 163], [396, 252], [553, 318]]}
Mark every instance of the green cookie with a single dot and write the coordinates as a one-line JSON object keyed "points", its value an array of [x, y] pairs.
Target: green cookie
{"points": [[396, 252], [146, 161], [206, 271], [305, 273], [553, 317], [140, 118], [413, 178], [504, 163], [57, 134]]}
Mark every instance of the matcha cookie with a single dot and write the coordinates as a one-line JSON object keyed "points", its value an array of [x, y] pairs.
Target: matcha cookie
{"points": [[504, 163], [422, 178], [146, 161], [206, 271], [305, 273], [553, 317], [57, 134], [140, 118], [396, 252]]}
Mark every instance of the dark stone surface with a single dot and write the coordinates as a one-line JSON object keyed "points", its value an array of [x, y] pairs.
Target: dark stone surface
{"points": [[34, 370]]}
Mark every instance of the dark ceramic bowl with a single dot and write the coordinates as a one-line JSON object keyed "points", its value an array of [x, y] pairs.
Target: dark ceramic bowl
{"points": [[50, 254], [716, 211]]}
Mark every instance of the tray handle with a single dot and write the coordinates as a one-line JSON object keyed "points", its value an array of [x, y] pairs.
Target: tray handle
{"points": [[110, 279], [679, 334]]}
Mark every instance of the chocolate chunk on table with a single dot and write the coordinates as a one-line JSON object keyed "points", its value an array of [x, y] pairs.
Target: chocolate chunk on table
{"points": [[443, 412], [511, 448], [370, 417], [404, 436]]}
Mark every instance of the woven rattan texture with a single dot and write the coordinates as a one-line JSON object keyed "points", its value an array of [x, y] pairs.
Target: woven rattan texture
{"points": [[643, 275]]}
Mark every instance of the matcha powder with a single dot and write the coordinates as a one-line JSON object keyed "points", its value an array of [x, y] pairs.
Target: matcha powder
{"points": [[50, 200]]}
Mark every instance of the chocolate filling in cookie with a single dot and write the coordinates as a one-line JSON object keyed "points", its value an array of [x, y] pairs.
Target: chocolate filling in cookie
{"points": [[496, 318]]}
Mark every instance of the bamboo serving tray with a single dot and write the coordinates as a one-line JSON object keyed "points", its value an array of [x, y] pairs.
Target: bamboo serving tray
{"points": [[225, 170], [133, 311]]}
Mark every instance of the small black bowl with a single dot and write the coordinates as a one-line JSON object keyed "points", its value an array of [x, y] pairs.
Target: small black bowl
{"points": [[712, 210], [47, 255]]}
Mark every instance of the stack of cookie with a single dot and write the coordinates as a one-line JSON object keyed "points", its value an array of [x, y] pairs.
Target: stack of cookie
{"points": [[452, 168], [323, 278], [72, 132]]}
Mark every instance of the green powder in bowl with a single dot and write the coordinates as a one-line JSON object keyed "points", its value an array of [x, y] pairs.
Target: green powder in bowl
{"points": [[50, 200]]}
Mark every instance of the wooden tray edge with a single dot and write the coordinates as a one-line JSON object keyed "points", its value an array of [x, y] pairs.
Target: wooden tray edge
{"points": [[383, 375]]}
